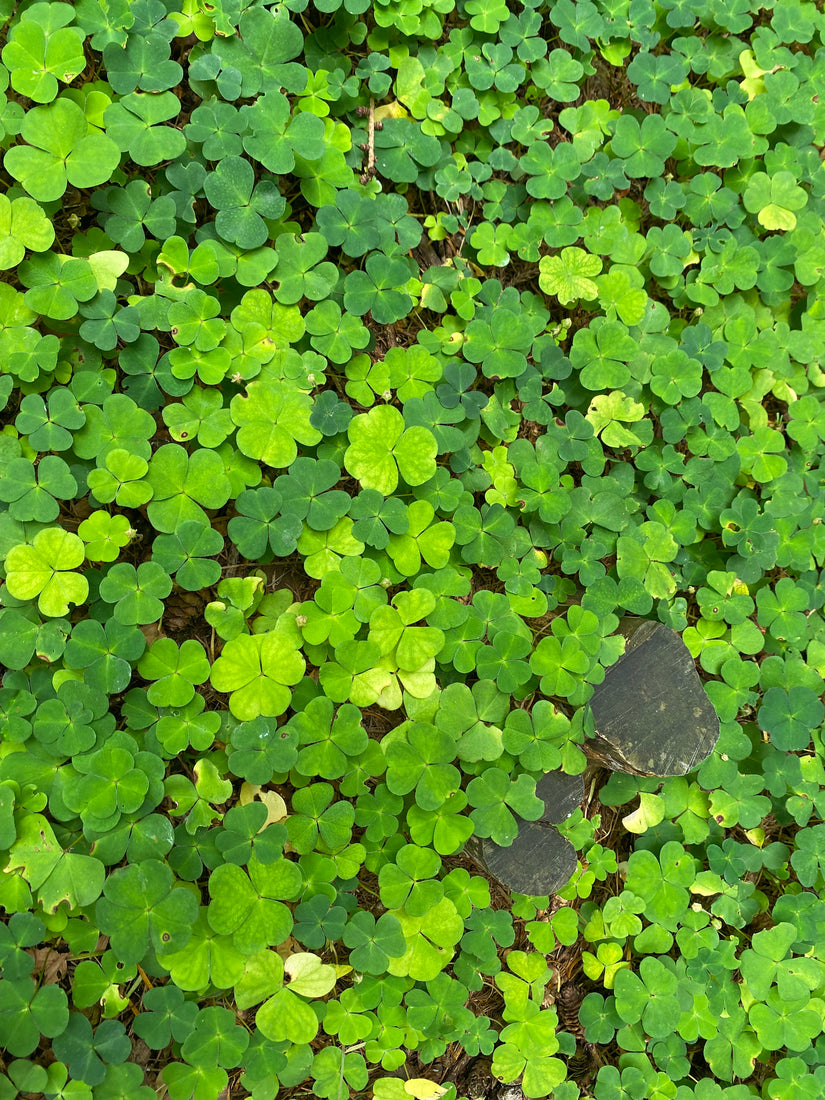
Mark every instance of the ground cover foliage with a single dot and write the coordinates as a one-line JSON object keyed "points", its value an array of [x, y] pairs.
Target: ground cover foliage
{"points": [[362, 365]]}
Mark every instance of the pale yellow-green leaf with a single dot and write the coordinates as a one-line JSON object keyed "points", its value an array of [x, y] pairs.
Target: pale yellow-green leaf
{"points": [[616, 405], [753, 84], [659, 581], [569, 274], [389, 1088], [421, 682], [423, 1089], [706, 884], [286, 1017], [390, 110], [107, 267], [275, 805], [651, 812], [308, 975], [411, 86], [815, 656], [390, 697], [776, 217]]}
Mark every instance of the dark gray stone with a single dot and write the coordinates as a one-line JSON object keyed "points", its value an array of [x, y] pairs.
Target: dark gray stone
{"points": [[651, 712], [652, 717], [539, 861]]}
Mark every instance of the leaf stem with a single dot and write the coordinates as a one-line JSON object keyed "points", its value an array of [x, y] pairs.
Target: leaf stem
{"points": [[371, 138]]}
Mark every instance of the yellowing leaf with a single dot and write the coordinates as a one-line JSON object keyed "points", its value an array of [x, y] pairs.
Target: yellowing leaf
{"points": [[651, 812], [616, 405], [776, 217], [390, 110], [569, 275], [275, 805], [706, 884], [411, 86], [749, 64], [388, 1088], [815, 656], [308, 975], [753, 84], [107, 268], [615, 52], [423, 1089]]}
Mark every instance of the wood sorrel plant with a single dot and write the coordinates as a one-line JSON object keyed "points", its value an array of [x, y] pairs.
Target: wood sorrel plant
{"points": [[361, 366]]}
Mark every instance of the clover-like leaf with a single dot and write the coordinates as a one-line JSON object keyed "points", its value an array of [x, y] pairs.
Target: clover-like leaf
{"points": [[205, 956], [216, 126], [105, 535], [285, 1016], [350, 222], [326, 744], [56, 284], [323, 550], [423, 762], [41, 49], [133, 212], [789, 714], [29, 1012], [32, 492], [499, 344], [300, 272], [258, 751], [380, 289], [241, 204], [258, 671], [165, 1014], [50, 425], [43, 569], [175, 671], [120, 479], [261, 527], [335, 335], [318, 817], [431, 941], [248, 907], [393, 630], [61, 149], [137, 593], [141, 906], [372, 942], [118, 424], [774, 199], [105, 653], [274, 136], [272, 419], [494, 795], [648, 997], [23, 224], [381, 448], [143, 60], [354, 674], [187, 552], [644, 147], [569, 275], [182, 483]]}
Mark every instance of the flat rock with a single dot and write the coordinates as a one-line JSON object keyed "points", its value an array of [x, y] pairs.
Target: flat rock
{"points": [[651, 712], [539, 861], [652, 717]]}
